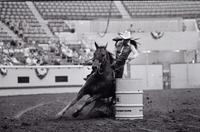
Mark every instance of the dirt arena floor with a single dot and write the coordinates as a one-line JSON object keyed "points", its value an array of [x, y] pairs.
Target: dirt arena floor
{"points": [[164, 111]]}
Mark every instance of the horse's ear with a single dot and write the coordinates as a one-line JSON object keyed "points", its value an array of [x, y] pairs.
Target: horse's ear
{"points": [[96, 45]]}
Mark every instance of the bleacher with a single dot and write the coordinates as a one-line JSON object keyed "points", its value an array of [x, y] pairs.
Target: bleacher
{"points": [[76, 10], [148, 9], [18, 12], [4, 35], [55, 12], [58, 26]]}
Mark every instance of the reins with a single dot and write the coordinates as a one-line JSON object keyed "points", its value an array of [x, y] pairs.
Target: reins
{"points": [[115, 68]]}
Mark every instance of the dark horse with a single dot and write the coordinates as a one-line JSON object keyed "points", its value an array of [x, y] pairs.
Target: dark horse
{"points": [[100, 85]]}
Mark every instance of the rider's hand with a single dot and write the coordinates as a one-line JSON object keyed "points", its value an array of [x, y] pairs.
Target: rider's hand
{"points": [[129, 59], [113, 66]]}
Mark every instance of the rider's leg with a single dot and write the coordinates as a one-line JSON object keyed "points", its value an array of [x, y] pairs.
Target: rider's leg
{"points": [[119, 72], [119, 67]]}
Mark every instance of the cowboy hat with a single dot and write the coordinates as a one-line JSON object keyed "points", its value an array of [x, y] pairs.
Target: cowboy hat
{"points": [[117, 39], [125, 35]]}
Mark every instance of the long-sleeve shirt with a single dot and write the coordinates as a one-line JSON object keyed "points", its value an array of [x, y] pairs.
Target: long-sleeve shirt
{"points": [[123, 51]]}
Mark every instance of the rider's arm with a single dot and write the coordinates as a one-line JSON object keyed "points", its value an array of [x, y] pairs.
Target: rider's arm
{"points": [[134, 51]]}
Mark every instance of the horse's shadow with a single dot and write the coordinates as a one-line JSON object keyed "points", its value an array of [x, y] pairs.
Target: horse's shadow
{"points": [[102, 110]]}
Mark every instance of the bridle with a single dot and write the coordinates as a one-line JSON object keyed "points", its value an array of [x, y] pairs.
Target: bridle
{"points": [[99, 68]]}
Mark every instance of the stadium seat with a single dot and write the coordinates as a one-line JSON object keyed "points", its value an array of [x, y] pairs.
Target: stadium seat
{"points": [[19, 11], [74, 9], [4, 35], [185, 9]]}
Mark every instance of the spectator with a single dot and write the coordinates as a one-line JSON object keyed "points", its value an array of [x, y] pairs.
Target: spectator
{"points": [[1, 43], [16, 30], [89, 56], [20, 33], [75, 57], [20, 25], [11, 25], [24, 25], [82, 56], [69, 54], [7, 21], [16, 26], [13, 44]]}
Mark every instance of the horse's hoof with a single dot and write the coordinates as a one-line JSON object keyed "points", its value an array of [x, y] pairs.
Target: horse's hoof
{"points": [[59, 115], [76, 114]]}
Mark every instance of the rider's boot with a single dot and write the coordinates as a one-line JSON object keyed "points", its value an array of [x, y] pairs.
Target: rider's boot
{"points": [[113, 65]]}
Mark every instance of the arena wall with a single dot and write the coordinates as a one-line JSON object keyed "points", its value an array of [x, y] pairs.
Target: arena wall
{"points": [[57, 76], [152, 75], [185, 76], [138, 25]]}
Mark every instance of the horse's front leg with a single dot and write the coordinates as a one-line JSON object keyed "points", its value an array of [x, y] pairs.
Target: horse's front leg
{"points": [[89, 100], [74, 101]]}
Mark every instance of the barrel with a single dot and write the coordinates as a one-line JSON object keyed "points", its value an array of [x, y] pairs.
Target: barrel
{"points": [[129, 99]]}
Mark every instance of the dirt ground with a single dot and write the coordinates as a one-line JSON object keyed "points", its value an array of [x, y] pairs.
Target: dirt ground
{"points": [[164, 111]]}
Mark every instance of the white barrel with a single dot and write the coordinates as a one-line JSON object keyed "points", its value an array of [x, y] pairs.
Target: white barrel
{"points": [[129, 84], [129, 99], [129, 111]]}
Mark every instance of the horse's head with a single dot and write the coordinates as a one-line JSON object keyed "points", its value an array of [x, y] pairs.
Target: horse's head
{"points": [[100, 57]]}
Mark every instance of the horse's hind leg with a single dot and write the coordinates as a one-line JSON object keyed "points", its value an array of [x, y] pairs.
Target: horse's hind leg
{"points": [[74, 101], [98, 104], [89, 100]]}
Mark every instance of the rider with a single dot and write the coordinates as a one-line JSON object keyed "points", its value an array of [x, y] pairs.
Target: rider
{"points": [[124, 46]]}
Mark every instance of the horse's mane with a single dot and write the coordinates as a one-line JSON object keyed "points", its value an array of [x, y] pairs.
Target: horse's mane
{"points": [[134, 43], [110, 57]]}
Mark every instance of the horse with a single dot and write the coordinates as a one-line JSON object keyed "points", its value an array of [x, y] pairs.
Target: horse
{"points": [[100, 85]]}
